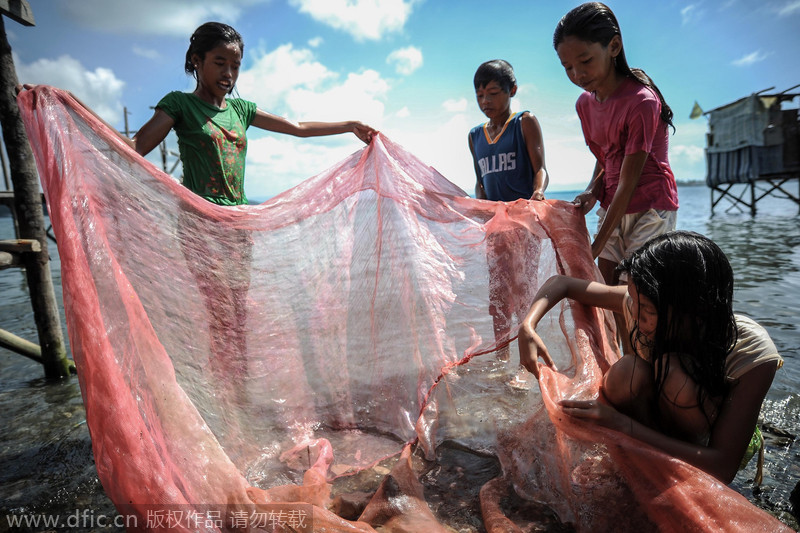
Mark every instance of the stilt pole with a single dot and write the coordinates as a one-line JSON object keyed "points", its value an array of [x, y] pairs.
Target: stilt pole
{"points": [[28, 208]]}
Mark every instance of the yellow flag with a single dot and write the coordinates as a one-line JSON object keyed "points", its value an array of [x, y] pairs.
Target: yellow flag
{"points": [[697, 111]]}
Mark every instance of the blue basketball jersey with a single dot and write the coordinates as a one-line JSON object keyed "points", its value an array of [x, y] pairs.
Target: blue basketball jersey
{"points": [[503, 162]]}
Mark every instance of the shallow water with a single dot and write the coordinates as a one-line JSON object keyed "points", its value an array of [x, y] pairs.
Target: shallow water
{"points": [[46, 466]]}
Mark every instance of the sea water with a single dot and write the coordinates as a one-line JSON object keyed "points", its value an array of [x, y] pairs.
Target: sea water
{"points": [[46, 465]]}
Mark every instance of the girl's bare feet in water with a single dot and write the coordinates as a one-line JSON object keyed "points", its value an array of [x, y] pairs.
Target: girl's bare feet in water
{"points": [[502, 353], [522, 380]]}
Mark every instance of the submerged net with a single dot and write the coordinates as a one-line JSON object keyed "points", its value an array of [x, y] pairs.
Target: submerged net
{"points": [[302, 363]]}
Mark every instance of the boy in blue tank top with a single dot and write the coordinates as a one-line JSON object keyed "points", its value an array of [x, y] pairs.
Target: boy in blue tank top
{"points": [[508, 150]]}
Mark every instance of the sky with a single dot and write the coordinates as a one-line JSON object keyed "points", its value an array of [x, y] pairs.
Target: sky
{"points": [[405, 67]]}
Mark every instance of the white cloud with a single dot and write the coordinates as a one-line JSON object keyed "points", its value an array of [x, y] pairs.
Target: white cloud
{"points": [[292, 83], [455, 105], [275, 74], [276, 163], [569, 162], [751, 58], [289, 81], [403, 113], [315, 42], [363, 19], [147, 53], [692, 153], [358, 97], [690, 13], [688, 161], [100, 89], [153, 17], [789, 8], [405, 60], [442, 146], [687, 149]]}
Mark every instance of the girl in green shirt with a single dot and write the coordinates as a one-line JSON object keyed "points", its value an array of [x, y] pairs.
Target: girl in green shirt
{"points": [[211, 127]]}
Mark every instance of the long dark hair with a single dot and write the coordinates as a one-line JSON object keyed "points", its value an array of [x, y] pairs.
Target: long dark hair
{"points": [[690, 281], [594, 22], [207, 37]]}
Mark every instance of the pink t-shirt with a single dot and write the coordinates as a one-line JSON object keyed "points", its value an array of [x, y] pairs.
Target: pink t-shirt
{"points": [[627, 122]]}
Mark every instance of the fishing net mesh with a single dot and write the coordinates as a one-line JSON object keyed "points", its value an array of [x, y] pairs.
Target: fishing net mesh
{"points": [[256, 366]]}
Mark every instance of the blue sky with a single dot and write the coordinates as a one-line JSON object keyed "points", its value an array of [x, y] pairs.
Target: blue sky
{"points": [[406, 67]]}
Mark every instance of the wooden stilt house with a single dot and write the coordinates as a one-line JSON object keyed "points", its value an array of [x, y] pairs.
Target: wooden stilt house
{"points": [[754, 142]]}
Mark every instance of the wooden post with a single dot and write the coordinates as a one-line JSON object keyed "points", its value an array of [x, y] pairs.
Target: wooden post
{"points": [[712, 200], [5, 169], [28, 207]]}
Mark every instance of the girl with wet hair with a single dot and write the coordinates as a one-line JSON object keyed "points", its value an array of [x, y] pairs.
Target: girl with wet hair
{"points": [[625, 122], [211, 127], [698, 374], [595, 22], [206, 38]]}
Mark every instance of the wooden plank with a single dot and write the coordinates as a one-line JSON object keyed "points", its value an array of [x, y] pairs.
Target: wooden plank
{"points": [[20, 245], [21, 346], [8, 260], [18, 10]]}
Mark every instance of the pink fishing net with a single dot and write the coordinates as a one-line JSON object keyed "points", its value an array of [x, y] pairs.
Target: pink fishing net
{"points": [[263, 367]]}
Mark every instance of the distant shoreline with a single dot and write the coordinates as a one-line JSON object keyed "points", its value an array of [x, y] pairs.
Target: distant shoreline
{"points": [[260, 200], [681, 183]]}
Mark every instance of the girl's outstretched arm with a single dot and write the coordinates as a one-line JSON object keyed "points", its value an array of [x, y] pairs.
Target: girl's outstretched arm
{"points": [[555, 289], [585, 201], [630, 173], [270, 122], [730, 433], [152, 132]]}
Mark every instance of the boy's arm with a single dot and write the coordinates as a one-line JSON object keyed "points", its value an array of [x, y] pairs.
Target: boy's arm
{"points": [[632, 166], [480, 192], [534, 142]]}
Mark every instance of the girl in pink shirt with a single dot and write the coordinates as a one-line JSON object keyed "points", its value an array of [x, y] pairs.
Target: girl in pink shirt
{"points": [[625, 123]]}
